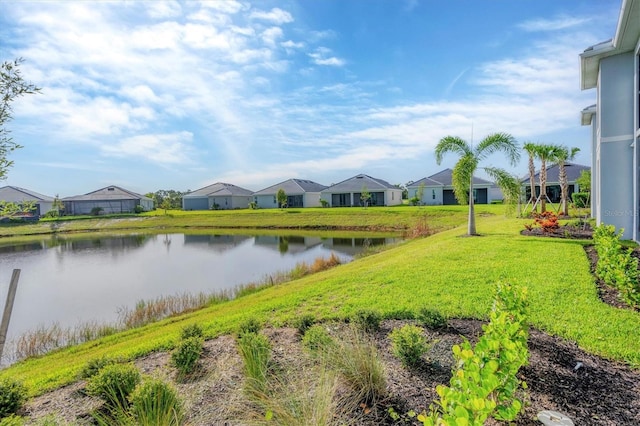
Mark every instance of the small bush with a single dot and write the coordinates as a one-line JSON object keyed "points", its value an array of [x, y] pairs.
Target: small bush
{"points": [[191, 330], [304, 322], [255, 351], [114, 383], [186, 354], [138, 209], [154, 402], [409, 344], [250, 325], [368, 320], [93, 366], [431, 318], [580, 199], [96, 211], [12, 396], [317, 339]]}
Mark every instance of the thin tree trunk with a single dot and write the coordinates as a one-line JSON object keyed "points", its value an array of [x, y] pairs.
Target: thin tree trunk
{"points": [[564, 189], [472, 214], [532, 183], [543, 186]]}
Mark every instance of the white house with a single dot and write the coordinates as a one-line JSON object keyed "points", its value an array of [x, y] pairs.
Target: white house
{"points": [[300, 193], [348, 193], [107, 200], [553, 189], [437, 190], [218, 196], [613, 69], [14, 194]]}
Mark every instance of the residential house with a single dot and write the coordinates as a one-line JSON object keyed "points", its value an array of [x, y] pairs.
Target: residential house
{"points": [[218, 196], [437, 190], [300, 193], [613, 69], [108, 200], [553, 181], [348, 193], [14, 194]]}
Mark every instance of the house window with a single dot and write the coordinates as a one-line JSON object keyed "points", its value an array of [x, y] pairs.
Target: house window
{"points": [[274, 200], [433, 194], [393, 194]]}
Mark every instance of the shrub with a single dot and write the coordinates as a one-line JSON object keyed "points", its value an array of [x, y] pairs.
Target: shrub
{"points": [[547, 221], [154, 402], [317, 339], [138, 209], [250, 325], [255, 351], [367, 319], [114, 383], [580, 199], [303, 323], [96, 211], [191, 330], [484, 380], [12, 420], [93, 366], [409, 344], [186, 354], [12, 396], [431, 318], [324, 203]]}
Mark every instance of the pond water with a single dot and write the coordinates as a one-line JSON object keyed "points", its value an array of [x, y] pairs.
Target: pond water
{"points": [[71, 280]]}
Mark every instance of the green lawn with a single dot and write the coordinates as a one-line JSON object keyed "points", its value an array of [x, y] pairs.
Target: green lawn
{"points": [[448, 272]]}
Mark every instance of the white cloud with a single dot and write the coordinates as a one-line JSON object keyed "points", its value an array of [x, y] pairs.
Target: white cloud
{"points": [[275, 15], [163, 9], [321, 57], [560, 23], [271, 35], [164, 149]]}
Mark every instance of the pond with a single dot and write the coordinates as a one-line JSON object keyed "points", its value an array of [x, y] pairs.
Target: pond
{"points": [[72, 280]]}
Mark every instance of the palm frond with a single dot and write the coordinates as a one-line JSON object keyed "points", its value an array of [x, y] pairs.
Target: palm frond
{"points": [[461, 177], [508, 184], [452, 144], [499, 142]]}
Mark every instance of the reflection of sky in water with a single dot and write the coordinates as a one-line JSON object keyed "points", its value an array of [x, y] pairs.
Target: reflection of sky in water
{"points": [[77, 281]]}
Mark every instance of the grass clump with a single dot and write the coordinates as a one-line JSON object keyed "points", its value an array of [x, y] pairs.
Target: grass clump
{"points": [[94, 365], [250, 325], [12, 396], [191, 330], [304, 322], [409, 344], [154, 402], [316, 339], [114, 383], [186, 355], [255, 351], [431, 318], [356, 359], [367, 319]]}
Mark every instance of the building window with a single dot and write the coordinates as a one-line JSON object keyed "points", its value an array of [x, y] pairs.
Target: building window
{"points": [[433, 194], [393, 195], [274, 200]]}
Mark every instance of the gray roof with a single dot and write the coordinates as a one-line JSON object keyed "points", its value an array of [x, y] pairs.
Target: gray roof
{"points": [[356, 183], [219, 189], [108, 193], [553, 173], [445, 178], [14, 194], [292, 187], [426, 182]]}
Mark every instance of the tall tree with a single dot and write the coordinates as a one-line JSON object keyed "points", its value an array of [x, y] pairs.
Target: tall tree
{"points": [[561, 156], [544, 152], [470, 158], [530, 148], [12, 86]]}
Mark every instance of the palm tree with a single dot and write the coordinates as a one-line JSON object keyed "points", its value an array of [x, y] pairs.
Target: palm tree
{"points": [[531, 148], [544, 152], [562, 155], [466, 166]]}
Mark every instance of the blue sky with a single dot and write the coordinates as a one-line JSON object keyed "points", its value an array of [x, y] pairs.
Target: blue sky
{"points": [[182, 94]]}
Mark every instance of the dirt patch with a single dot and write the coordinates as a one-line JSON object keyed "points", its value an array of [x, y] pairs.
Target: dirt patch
{"points": [[581, 232], [561, 377]]}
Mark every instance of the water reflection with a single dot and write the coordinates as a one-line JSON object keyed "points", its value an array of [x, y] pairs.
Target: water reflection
{"points": [[70, 279]]}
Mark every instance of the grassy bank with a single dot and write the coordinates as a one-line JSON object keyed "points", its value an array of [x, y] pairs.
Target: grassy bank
{"points": [[396, 219], [447, 272]]}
